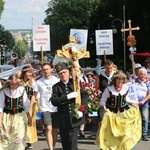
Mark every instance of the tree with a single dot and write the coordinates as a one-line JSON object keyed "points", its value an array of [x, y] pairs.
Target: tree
{"points": [[1, 7], [20, 48], [6, 38], [10, 41], [138, 11], [63, 15]]}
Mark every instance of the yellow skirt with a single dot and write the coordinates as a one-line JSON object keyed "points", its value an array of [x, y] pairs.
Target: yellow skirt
{"points": [[31, 130], [120, 131], [13, 134]]}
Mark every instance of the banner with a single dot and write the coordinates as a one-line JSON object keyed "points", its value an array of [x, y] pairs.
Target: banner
{"points": [[132, 93], [104, 42], [81, 36], [41, 38]]}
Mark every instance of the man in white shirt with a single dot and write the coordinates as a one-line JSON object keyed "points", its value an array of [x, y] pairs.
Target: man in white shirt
{"points": [[48, 111]]}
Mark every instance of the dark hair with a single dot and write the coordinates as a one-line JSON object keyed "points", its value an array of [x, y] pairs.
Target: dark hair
{"points": [[47, 64], [108, 62]]}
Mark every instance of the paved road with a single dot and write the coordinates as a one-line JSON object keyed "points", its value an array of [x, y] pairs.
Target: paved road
{"points": [[83, 144]]}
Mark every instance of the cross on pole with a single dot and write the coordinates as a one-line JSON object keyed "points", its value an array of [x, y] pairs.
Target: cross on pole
{"points": [[130, 28], [131, 42]]}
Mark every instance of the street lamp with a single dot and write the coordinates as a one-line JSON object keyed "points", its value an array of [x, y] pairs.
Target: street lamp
{"points": [[2, 51], [123, 34], [114, 29], [91, 38]]}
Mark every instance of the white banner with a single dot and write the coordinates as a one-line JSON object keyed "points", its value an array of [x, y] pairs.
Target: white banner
{"points": [[41, 38], [104, 42], [81, 36], [132, 93]]}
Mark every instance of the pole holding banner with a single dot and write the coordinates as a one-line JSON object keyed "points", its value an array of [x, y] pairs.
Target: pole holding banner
{"points": [[42, 55], [104, 55]]}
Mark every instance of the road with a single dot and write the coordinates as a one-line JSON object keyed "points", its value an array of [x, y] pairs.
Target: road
{"points": [[86, 143]]}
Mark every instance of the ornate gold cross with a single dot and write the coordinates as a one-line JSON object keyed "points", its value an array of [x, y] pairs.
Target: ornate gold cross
{"points": [[73, 52]]}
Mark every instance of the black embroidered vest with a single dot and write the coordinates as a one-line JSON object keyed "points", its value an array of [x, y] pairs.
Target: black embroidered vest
{"points": [[13, 105], [29, 91], [117, 103], [103, 83]]}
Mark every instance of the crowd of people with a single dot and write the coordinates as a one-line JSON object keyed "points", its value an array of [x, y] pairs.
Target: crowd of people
{"points": [[119, 121]]}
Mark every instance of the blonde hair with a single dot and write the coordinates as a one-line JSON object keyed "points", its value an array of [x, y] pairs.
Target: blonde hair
{"points": [[115, 68], [9, 81]]}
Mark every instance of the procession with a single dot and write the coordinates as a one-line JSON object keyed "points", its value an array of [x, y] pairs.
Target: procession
{"points": [[68, 84]]}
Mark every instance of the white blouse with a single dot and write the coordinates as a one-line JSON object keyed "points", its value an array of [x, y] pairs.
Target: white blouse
{"points": [[14, 94]]}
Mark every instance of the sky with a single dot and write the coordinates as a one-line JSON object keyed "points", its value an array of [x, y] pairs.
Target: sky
{"points": [[18, 14]]}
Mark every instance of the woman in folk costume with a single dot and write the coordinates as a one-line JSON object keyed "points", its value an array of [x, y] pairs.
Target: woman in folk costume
{"points": [[121, 124], [14, 111], [30, 85]]}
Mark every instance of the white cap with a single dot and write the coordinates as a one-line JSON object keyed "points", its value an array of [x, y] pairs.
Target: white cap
{"points": [[137, 66]]}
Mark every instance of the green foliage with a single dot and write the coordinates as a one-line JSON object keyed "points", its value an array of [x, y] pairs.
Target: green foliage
{"points": [[6, 37], [20, 48], [135, 10], [1, 6], [10, 41], [75, 111], [63, 15]]}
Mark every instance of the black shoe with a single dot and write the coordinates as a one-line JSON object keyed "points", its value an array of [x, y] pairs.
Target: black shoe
{"points": [[81, 133], [144, 139], [29, 146]]}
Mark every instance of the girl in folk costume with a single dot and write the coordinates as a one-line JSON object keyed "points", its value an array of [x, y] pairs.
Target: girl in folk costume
{"points": [[30, 85], [14, 111], [121, 124]]}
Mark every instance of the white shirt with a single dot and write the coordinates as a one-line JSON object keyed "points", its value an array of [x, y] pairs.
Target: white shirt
{"points": [[17, 93], [44, 87]]}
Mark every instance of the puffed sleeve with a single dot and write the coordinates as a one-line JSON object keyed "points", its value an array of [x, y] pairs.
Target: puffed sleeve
{"points": [[104, 97], [26, 104], [2, 101], [35, 88]]}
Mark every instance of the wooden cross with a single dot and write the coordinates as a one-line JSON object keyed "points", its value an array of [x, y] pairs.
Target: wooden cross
{"points": [[130, 33], [130, 28], [73, 52]]}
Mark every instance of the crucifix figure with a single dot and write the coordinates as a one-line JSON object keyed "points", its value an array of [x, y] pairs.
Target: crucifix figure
{"points": [[131, 43], [73, 52]]}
